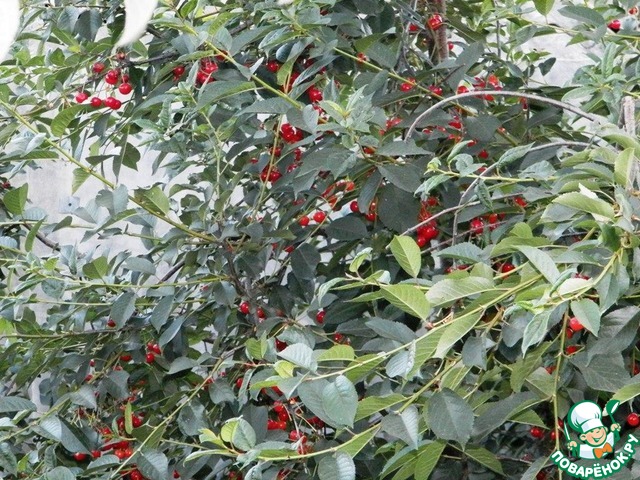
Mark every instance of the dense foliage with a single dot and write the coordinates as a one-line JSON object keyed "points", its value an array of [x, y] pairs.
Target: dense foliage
{"points": [[344, 276]]}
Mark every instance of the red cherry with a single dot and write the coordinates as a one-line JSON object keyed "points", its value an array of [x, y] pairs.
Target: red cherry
{"points": [[371, 216], [283, 416], [260, 313], [278, 406], [244, 308], [477, 225], [541, 476], [272, 66], [176, 474], [179, 70], [79, 456], [569, 333], [550, 369], [125, 88], [633, 419], [154, 348], [111, 323], [96, 102], [520, 201], [413, 27], [361, 57], [571, 349], [125, 357], [81, 97], [282, 425], [353, 206], [421, 241], [615, 25], [136, 421], [150, 358], [435, 21], [462, 89], [315, 94], [319, 217], [280, 345], [320, 316], [303, 221], [112, 77], [436, 90], [338, 337], [493, 218], [96, 453], [633, 11], [536, 432], [575, 325], [430, 232], [507, 267], [295, 435], [408, 85], [483, 154], [98, 67], [369, 150]]}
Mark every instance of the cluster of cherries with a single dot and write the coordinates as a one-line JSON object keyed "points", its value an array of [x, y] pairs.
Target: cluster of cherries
{"points": [[615, 25], [112, 78]]}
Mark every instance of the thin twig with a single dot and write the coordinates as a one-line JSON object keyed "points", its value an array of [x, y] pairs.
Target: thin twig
{"points": [[501, 93]]}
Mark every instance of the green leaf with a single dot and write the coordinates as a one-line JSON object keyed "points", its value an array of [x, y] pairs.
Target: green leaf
{"points": [[601, 210], [485, 458], [301, 355], [542, 262], [96, 269], [139, 264], [536, 330], [588, 312], [8, 461], [583, 14], [244, 437], [347, 228], [60, 473], [340, 401], [32, 235], [467, 252], [60, 123], [404, 426], [544, 6], [337, 352], [408, 298], [154, 199], [153, 465], [123, 308], [15, 404], [428, 457], [15, 200], [407, 253], [304, 261], [625, 163], [449, 290], [370, 405], [450, 417], [454, 332], [628, 392], [80, 175], [161, 312], [339, 466], [218, 90]]}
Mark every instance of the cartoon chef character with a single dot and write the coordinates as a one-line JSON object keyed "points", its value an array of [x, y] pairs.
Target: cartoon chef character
{"points": [[597, 441]]}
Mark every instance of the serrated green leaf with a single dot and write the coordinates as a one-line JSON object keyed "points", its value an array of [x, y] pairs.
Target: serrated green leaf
{"points": [[340, 401], [428, 457], [16, 199], [97, 268], [454, 332], [542, 262], [449, 290], [408, 298], [450, 417], [588, 312], [485, 458], [301, 355], [407, 253], [60, 123], [123, 308], [339, 466], [600, 209]]}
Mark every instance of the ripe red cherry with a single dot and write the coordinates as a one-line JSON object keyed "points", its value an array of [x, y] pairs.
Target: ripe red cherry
{"points": [[633, 11], [96, 102], [435, 21], [421, 241], [112, 77], [125, 357], [150, 358], [81, 97], [283, 416], [371, 216], [413, 27], [79, 456], [273, 66], [179, 70], [338, 337], [477, 225], [136, 421], [633, 419], [125, 88], [239, 382], [436, 90], [319, 217], [369, 150], [244, 308], [315, 94], [111, 323], [493, 218], [96, 453], [536, 432], [575, 325], [176, 474], [483, 154], [135, 475], [520, 201], [614, 25], [260, 313], [98, 67], [295, 435], [303, 221], [571, 349], [507, 267], [408, 85], [353, 206], [320, 316]]}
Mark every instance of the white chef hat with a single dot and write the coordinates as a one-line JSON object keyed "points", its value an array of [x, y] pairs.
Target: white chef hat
{"points": [[585, 416]]}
